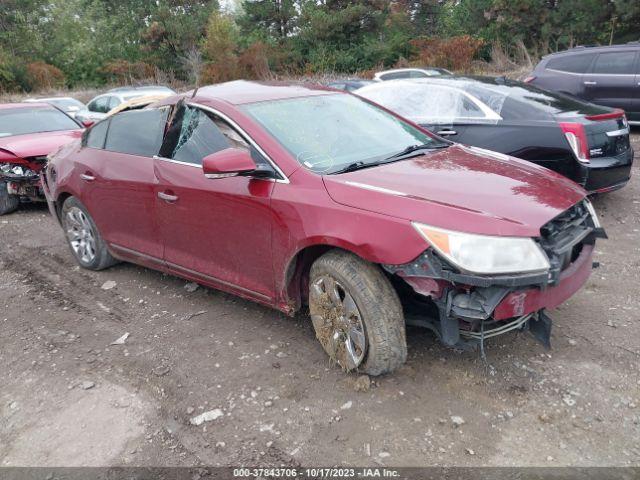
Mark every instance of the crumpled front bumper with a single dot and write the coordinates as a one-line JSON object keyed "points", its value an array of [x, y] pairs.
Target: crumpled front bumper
{"points": [[471, 308], [23, 185], [522, 302]]}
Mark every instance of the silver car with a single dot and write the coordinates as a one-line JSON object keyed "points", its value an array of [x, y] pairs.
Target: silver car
{"points": [[68, 105], [401, 73], [99, 106]]}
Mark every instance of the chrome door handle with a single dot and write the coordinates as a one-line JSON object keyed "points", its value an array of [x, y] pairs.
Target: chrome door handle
{"points": [[590, 83], [87, 178], [167, 197], [447, 132]]}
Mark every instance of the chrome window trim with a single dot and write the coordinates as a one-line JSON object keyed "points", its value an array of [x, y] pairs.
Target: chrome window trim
{"points": [[247, 138], [612, 74], [599, 74], [563, 71], [171, 160]]}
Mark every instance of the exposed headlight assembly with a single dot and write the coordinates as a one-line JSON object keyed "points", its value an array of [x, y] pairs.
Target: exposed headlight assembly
{"points": [[483, 254], [17, 170]]}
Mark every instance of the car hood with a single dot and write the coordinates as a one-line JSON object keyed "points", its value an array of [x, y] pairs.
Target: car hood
{"points": [[460, 188], [37, 144]]}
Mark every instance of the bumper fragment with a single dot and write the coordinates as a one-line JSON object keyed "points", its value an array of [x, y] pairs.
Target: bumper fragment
{"points": [[521, 302]]}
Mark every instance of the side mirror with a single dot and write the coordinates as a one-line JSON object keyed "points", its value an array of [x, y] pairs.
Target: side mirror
{"points": [[229, 162], [87, 123]]}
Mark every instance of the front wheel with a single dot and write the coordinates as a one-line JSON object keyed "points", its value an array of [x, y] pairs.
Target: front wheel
{"points": [[356, 314], [8, 203], [85, 242]]}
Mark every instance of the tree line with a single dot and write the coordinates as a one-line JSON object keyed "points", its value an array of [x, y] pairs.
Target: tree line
{"points": [[71, 43]]}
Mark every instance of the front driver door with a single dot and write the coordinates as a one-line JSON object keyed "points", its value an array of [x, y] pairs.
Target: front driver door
{"points": [[214, 230]]}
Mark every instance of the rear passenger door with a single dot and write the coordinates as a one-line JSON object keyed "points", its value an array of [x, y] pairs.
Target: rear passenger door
{"points": [[120, 178], [634, 113], [611, 79], [564, 73]]}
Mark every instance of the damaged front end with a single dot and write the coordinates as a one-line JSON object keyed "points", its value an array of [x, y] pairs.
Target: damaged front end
{"points": [[464, 309], [22, 178]]}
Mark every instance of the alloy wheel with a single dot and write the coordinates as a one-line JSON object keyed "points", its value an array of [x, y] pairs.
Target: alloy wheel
{"points": [[80, 234], [337, 322]]}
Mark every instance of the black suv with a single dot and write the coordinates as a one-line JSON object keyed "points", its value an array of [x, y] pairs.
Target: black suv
{"points": [[604, 75]]}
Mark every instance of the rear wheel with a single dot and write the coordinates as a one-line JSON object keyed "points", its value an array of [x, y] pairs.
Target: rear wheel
{"points": [[85, 242], [8, 203], [356, 314]]}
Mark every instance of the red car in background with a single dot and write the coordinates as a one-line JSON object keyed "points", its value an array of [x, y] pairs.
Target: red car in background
{"points": [[28, 133], [291, 195]]}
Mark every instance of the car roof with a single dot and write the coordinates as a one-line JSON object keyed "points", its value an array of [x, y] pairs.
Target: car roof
{"points": [[46, 99], [354, 80], [410, 69], [399, 82], [143, 101], [240, 92], [140, 88], [6, 106], [122, 92], [451, 81], [594, 48]]}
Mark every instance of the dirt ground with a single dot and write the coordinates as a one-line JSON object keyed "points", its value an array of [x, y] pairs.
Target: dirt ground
{"points": [[68, 397]]}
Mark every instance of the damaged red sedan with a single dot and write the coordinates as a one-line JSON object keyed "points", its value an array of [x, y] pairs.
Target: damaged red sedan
{"points": [[297, 196], [28, 133]]}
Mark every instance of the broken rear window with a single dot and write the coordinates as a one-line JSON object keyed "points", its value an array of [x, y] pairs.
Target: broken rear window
{"points": [[430, 104]]}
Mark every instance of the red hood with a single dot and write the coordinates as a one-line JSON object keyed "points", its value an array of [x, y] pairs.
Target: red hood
{"points": [[38, 144], [460, 188]]}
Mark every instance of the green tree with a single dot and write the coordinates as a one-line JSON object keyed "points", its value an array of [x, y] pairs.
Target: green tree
{"points": [[220, 48], [175, 29], [275, 19]]}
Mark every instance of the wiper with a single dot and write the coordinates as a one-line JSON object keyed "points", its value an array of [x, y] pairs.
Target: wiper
{"points": [[393, 158], [416, 148], [352, 167]]}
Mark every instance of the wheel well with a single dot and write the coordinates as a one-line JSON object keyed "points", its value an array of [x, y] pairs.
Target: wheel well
{"points": [[59, 202], [297, 274]]}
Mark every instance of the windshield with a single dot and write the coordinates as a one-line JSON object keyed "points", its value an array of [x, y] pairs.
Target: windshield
{"points": [[66, 103], [326, 133], [22, 121]]}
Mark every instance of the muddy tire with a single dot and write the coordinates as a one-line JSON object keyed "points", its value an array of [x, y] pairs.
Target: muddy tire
{"points": [[356, 314], [8, 203], [85, 242]]}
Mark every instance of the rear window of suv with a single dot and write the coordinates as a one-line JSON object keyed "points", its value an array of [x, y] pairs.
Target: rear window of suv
{"points": [[571, 63]]}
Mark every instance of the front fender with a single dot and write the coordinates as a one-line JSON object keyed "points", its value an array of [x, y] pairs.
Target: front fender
{"points": [[307, 218]]}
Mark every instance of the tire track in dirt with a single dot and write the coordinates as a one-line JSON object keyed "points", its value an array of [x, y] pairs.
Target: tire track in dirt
{"points": [[51, 277]]}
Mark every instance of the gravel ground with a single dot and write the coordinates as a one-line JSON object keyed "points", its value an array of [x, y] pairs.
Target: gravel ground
{"points": [[70, 397]]}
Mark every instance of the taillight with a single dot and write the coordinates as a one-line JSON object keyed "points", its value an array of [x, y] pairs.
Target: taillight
{"points": [[577, 138], [529, 79]]}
